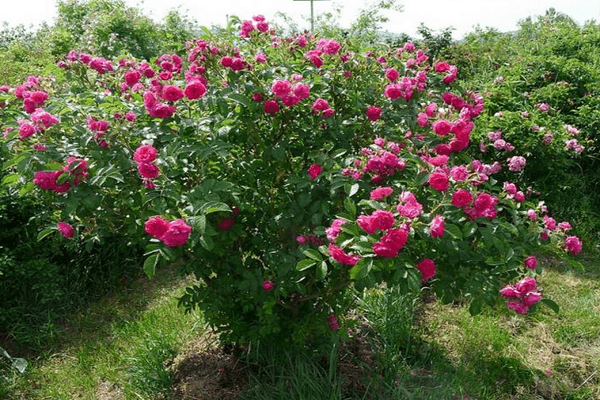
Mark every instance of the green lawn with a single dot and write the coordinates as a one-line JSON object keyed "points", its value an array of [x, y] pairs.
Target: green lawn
{"points": [[131, 345]]}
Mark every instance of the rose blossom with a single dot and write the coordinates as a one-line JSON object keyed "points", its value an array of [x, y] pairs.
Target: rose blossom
{"points": [[461, 198], [427, 269], [156, 226], [381, 193], [373, 113], [177, 234], [334, 230], [267, 286], [226, 224], [144, 154], [531, 262], [340, 256], [65, 229], [314, 170], [194, 90], [573, 244], [442, 127], [439, 181], [271, 107], [148, 170], [516, 163], [437, 227]]}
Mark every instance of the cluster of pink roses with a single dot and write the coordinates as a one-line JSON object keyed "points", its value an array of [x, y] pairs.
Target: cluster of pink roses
{"points": [[99, 128], [288, 94], [99, 64], [321, 106], [32, 94], [171, 233], [73, 173], [144, 156], [248, 26], [379, 161], [524, 294], [40, 121], [574, 144], [323, 46], [394, 239]]}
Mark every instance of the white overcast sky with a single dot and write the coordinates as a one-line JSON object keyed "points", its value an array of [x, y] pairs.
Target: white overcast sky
{"points": [[435, 14]]}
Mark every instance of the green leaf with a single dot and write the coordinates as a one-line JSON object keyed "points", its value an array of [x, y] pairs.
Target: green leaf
{"points": [[510, 227], [198, 223], [469, 229], [510, 253], [353, 190], [350, 206], [45, 233], [312, 253], [214, 206], [454, 231], [10, 179], [551, 304], [305, 264], [207, 242], [476, 307], [29, 186], [150, 265], [494, 261], [322, 271], [361, 269]]}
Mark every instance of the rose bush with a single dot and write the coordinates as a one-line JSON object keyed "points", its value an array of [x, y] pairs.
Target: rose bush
{"points": [[284, 173]]}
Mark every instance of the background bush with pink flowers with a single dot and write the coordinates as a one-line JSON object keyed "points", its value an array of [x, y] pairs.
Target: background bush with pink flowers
{"points": [[286, 173]]}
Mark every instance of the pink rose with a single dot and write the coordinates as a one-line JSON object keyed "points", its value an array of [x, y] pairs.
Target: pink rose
{"points": [[437, 227], [367, 224], [281, 88], [334, 230], [148, 170], [194, 90], [177, 233], [144, 154], [527, 284], [518, 307], [267, 286], [340, 256], [461, 198], [271, 107], [382, 219], [156, 226], [65, 229], [392, 74], [395, 239], [226, 224], [314, 170], [531, 298], [427, 268], [510, 291], [172, 93], [573, 244], [373, 113], [384, 250], [531, 262], [439, 181], [380, 193]]}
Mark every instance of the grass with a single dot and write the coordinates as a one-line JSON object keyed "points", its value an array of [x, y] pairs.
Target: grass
{"points": [[125, 347], [119, 348]]}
